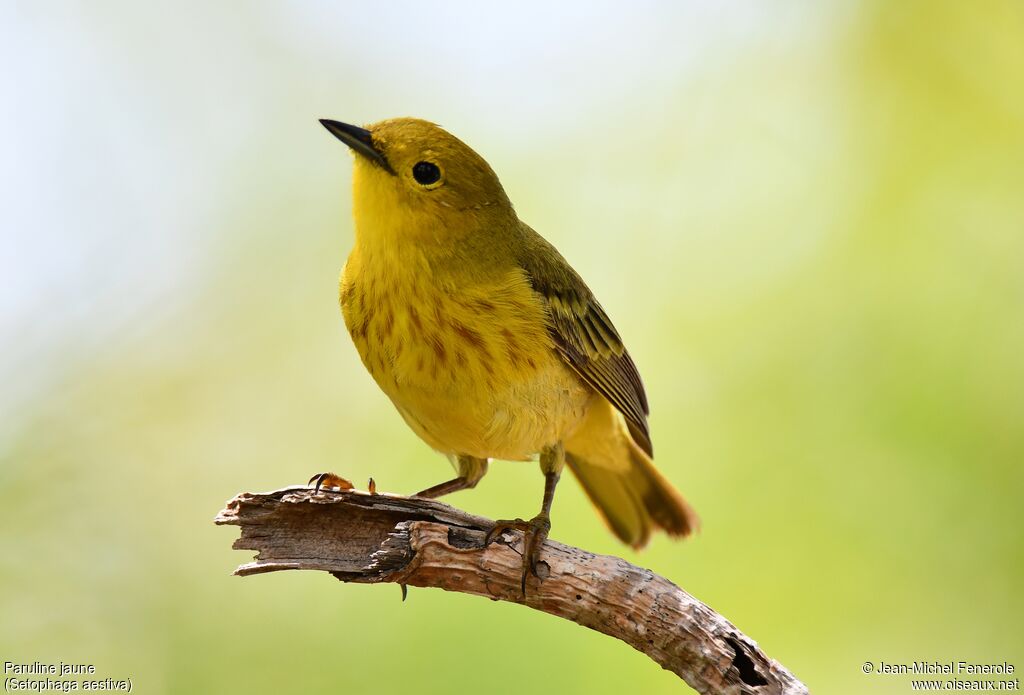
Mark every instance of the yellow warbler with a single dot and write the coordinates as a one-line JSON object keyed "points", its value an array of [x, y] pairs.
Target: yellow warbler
{"points": [[486, 340]]}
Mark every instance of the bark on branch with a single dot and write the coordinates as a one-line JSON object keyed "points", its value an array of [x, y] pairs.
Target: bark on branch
{"points": [[362, 537]]}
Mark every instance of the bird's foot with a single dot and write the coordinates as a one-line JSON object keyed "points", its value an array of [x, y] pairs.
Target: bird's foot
{"points": [[535, 532], [329, 481]]}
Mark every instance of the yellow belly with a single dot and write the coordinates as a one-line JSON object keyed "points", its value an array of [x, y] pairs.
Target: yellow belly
{"points": [[472, 369]]}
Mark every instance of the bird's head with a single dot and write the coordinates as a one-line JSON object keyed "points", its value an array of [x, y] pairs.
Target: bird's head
{"points": [[412, 177]]}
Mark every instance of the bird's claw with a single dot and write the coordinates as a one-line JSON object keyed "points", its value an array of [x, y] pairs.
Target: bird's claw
{"points": [[535, 532], [328, 481]]}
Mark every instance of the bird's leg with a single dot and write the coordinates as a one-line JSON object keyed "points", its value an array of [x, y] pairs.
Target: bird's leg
{"points": [[535, 531], [471, 470], [447, 487]]}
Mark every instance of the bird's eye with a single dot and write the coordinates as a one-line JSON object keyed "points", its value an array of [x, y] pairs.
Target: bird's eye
{"points": [[426, 173]]}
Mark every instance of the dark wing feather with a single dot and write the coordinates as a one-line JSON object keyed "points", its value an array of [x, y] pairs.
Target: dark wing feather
{"points": [[585, 336]]}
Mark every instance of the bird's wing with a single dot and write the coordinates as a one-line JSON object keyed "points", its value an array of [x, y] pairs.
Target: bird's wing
{"points": [[585, 336]]}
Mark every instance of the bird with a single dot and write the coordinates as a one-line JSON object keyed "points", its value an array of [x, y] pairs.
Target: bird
{"points": [[488, 343]]}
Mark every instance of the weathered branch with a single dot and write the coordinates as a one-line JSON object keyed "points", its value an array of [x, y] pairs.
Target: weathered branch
{"points": [[362, 537]]}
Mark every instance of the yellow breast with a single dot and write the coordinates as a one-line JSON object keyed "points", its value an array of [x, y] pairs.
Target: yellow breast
{"points": [[472, 369]]}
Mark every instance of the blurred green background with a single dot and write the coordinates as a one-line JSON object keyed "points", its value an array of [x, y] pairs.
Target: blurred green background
{"points": [[807, 220]]}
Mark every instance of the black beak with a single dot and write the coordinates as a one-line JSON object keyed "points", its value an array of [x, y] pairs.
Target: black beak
{"points": [[359, 139]]}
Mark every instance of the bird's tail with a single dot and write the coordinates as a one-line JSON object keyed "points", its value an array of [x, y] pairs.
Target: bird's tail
{"points": [[621, 480]]}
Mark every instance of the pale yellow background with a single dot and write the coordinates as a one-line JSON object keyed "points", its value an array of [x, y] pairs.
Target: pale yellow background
{"points": [[806, 219]]}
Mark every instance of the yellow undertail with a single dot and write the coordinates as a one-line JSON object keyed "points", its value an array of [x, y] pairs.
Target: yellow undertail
{"points": [[621, 479]]}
